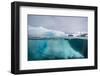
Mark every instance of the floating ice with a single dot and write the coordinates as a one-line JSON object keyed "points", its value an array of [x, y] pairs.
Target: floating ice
{"points": [[52, 47], [43, 32]]}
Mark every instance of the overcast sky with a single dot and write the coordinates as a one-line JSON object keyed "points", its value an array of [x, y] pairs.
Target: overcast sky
{"points": [[68, 24]]}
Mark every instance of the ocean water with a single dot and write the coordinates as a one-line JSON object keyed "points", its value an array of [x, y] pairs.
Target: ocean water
{"points": [[57, 48]]}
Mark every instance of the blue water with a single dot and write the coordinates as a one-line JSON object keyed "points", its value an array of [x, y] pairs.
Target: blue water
{"points": [[57, 48]]}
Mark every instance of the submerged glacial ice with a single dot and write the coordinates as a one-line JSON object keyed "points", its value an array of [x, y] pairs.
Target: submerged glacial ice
{"points": [[53, 48]]}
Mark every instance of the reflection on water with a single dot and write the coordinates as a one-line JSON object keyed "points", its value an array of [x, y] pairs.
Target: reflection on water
{"points": [[57, 48]]}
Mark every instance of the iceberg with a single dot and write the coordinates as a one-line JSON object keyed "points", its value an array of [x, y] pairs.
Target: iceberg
{"points": [[36, 31], [47, 44], [41, 32], [50, 49]]}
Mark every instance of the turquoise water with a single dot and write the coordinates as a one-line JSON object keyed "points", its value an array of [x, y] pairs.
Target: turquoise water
{"points": [[57, 48]]}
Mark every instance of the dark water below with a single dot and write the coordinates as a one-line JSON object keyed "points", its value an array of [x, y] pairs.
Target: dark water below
{"points": [[57, 48]]}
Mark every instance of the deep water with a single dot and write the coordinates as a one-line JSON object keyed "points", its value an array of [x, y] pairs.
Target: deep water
{"points": [[57, 48]]}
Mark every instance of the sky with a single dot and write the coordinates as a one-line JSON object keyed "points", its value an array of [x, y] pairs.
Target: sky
{"points": [[67, 24]]}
